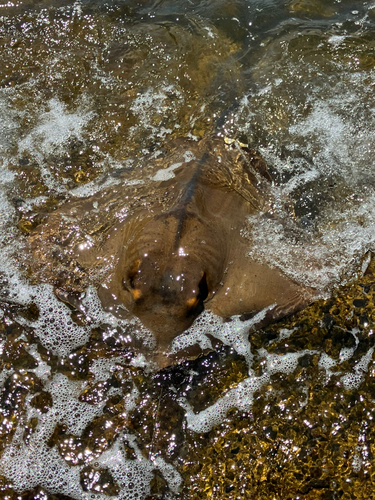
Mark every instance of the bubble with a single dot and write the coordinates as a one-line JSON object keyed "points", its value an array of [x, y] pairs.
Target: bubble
{"points": [[353, 380]]}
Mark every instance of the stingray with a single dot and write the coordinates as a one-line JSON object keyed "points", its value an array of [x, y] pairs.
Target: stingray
{"points": [[167, 249]]}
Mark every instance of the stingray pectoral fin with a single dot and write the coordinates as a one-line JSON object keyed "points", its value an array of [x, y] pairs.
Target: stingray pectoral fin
{"points": [[252, 287]]}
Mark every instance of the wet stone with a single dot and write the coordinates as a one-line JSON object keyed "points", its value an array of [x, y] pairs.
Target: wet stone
{"points": [[15, 354], [158, 485], [129, 450], [15, 390], [59, 431], [96, 438], [158, 424], [42, 401], [48, 357], [30, 179], [31, 218], [306, 360], [311, 8], [6, 489], [76, 365], [359, 302], [31, 313], [115, 405], [216, 370], [79, 164], [12, 402], [97, 392], [98, 480]]}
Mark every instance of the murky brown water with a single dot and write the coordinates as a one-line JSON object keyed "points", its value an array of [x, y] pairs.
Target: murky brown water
{"points": [[91, 95]]}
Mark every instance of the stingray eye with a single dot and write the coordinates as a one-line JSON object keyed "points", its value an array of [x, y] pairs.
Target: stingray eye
{"points": [[128, 283]]}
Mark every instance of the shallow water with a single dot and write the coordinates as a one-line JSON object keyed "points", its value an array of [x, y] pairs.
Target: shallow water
{"points": [[89, 93]]}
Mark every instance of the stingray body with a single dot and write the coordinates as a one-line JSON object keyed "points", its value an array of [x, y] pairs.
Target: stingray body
{"points": [[179, 249]]}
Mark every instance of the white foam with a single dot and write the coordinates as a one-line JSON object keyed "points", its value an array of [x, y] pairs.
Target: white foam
{"points": [[7, 215], [286, 363], [327, 363], [39, 465], [321, 260], [133, 476], [55, 316], [353, 380], [36, 464], [357, 461], [170, 474], [152, 101], [43, 370], [241, 397], [286, 332], [56, 126], [103, 368], [234, 333], [336, 40], [166, 173], [66, 407]]}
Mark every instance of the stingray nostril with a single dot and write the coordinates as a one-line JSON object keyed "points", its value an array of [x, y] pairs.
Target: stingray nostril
{"points": [[129, 286]]}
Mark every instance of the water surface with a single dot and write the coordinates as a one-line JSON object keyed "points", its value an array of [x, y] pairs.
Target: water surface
{"points": [[89, 92]]}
